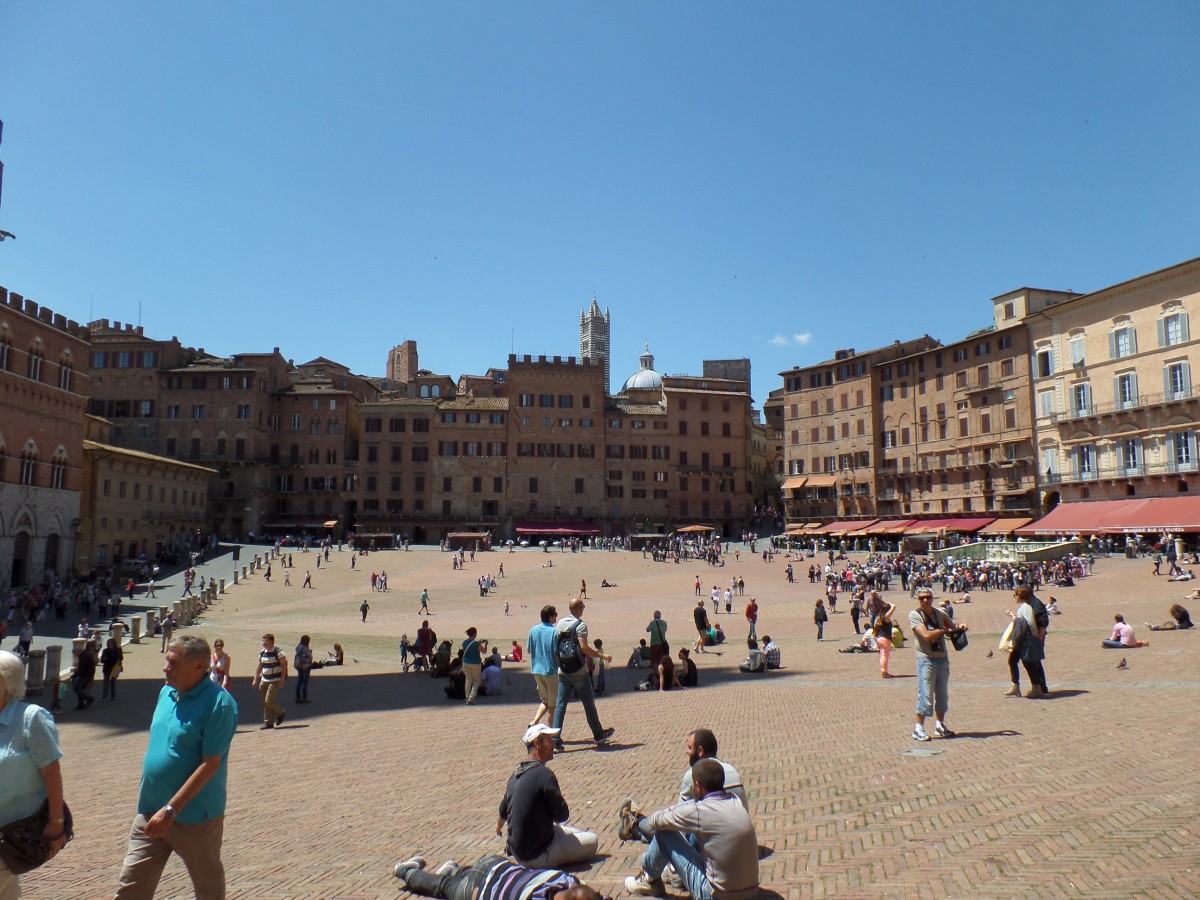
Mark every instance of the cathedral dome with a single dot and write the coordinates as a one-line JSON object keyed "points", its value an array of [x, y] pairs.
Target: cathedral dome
{"points": [[644, 378]]}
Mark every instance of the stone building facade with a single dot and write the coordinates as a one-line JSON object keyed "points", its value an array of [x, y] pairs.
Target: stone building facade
{"points": [[43, 396], [537, 449], [956, 428], [137, 504], [833, 424], [1116, 410]]}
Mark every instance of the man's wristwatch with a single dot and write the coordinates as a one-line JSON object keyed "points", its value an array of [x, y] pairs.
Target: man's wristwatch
{"points": [[169, 810]]}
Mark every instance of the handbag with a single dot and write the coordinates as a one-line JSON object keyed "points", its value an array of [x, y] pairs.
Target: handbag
{"points": [[22, 846], [959, 640], [1006, 644]]}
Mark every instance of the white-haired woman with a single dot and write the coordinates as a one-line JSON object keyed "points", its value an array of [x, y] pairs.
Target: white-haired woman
{"points": [[29, 769]]}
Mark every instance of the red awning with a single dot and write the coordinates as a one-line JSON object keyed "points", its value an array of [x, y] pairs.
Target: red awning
{"points": [[841, 527], [967, 526], [927, 526], [1005, 526], [1152, 515], [556, 528], [895, 526]]}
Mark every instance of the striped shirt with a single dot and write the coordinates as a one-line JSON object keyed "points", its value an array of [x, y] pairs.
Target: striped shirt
{"points": [[272, 663], [509, 881]]}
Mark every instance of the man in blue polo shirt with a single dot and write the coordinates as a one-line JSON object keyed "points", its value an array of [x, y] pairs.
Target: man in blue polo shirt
{"points": [[541, 663], [181, 805]]}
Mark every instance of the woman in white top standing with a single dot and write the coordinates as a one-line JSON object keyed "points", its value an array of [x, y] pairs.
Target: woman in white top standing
{"points": [[219, 671]]}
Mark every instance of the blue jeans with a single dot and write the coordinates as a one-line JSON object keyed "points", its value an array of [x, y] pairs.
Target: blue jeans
{"points": [[673, 847], [933, 685], [579, 685], [302, 683], [820, 631]]}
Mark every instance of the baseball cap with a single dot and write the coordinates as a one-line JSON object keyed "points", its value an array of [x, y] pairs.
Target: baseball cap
{"points": [[536, 731]]}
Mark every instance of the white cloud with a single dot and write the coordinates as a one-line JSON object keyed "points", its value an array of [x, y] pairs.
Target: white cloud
{"points": [[778, 341], [803, 339]]}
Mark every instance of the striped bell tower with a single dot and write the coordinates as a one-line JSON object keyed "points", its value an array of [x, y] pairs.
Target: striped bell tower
{"points": [[594, 330]]}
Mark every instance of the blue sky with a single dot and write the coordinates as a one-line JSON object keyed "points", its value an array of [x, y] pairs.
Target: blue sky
{"points": [[765, 180]]}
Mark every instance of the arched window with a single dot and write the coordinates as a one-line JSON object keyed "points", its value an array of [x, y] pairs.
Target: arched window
{"points": [[65, 371], [34, 369], [58, 471], [28, 466]]}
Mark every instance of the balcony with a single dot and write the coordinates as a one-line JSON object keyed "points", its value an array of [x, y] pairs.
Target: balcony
{"points": [[1141, 401], [1120, 472]]}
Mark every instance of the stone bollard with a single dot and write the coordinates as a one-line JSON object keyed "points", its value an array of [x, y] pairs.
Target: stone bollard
{"points": [[54, 658], [77, 645], [235, 576], [222, 585], [179, 619], [151, 620], [118, 632], [245, 572], [162, 612], [35, 673], [136, 636]]}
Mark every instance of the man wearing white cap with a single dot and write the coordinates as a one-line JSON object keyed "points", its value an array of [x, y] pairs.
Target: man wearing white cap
{"points": [[535, 811]]}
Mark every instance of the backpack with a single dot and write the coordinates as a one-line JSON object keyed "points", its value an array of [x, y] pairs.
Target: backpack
{"points": [[566, 650]]}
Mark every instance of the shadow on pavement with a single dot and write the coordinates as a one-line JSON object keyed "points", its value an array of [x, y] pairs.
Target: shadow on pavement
{"points": [[346, 693]]}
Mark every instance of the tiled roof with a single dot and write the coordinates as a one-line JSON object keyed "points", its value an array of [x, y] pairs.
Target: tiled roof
{"points": [[483, 404], [636, 409], [149, 457]]}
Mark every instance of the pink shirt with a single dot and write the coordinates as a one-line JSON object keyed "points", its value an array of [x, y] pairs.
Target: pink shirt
{"points": [[1123, 632]]}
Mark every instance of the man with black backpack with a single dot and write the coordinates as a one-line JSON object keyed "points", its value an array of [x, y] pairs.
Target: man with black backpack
{"points": [[1041, 620], [571, 650]]}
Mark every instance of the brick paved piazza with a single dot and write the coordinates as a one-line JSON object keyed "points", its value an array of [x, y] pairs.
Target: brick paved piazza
{"points": [[1092, 793]]}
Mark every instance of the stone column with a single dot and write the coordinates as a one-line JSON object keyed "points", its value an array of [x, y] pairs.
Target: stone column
{"points": [[178, 610], [53, 661], [35, 672], [222, 585], [118, 632], [151, 619], [136, 637]]}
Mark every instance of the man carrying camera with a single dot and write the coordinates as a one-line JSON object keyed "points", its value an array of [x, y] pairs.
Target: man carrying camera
{"points": [[932, 629]]}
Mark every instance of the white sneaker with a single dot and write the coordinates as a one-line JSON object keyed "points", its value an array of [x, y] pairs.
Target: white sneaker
{"points": [[400, 870], [644, 886], [449, 867], [919, 734]]}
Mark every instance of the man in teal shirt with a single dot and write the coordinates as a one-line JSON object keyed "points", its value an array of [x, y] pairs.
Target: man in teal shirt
{"points": [[181, 805]]}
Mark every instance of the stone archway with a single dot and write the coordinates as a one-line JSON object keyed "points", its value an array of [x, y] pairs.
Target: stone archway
{"points": [[50, 559], [20, 561]]}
